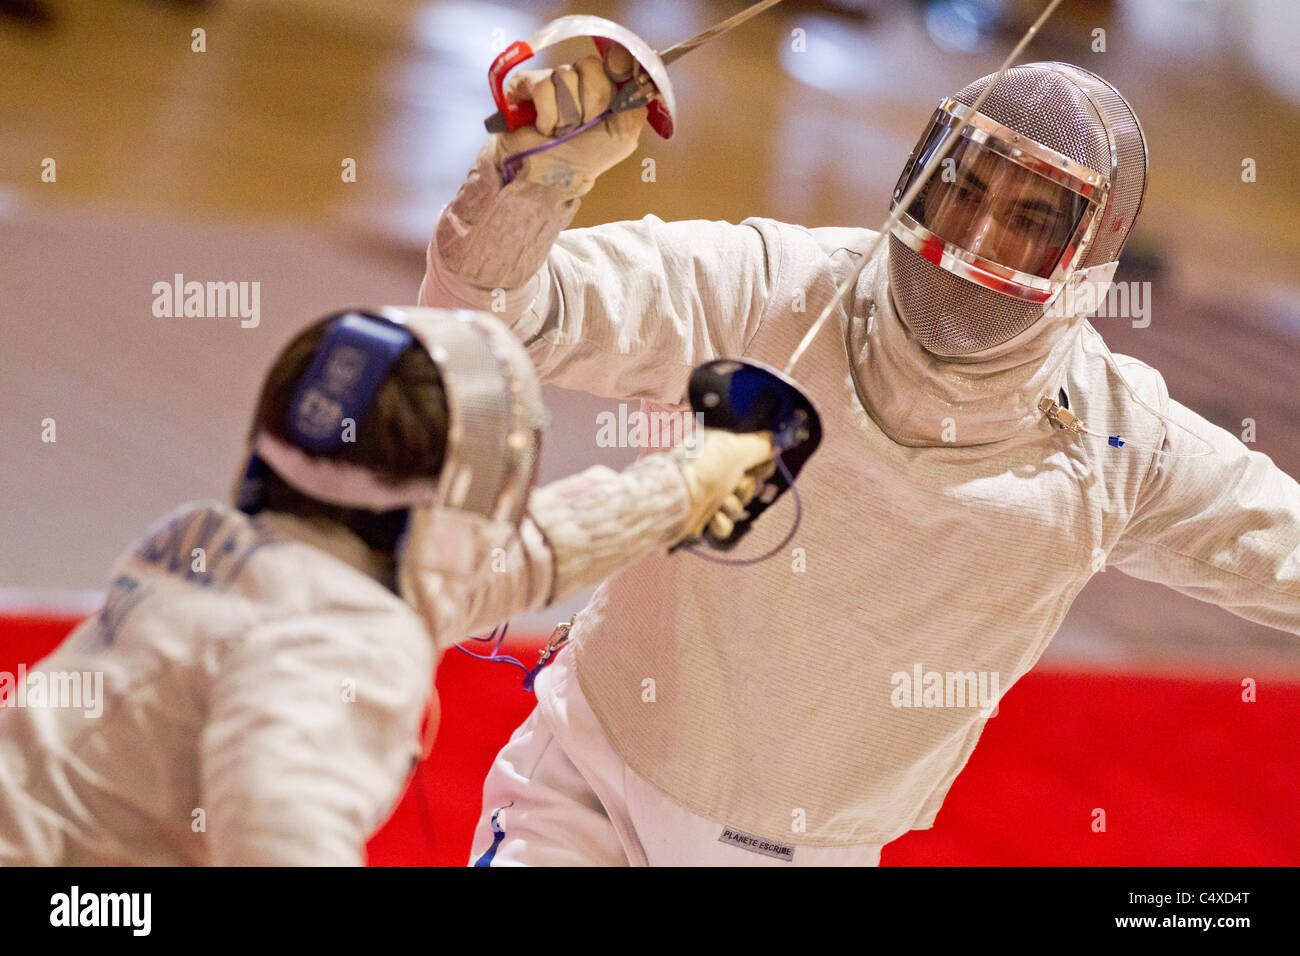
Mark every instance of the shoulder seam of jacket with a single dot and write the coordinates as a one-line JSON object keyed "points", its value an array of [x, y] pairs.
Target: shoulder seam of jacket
{"points": [[774, 277]]}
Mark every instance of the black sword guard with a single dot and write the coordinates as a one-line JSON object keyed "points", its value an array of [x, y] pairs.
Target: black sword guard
{"points": [[741, 395]]}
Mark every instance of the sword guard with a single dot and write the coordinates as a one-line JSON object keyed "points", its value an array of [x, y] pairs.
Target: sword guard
{"points": [[741, 395], [604, 33]]}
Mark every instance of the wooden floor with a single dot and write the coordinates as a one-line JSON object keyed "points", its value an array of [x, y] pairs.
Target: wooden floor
{"points": [[226, 165]]}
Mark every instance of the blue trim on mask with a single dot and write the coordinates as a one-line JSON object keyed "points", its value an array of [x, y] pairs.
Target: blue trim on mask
{"points": [[347, 372]]}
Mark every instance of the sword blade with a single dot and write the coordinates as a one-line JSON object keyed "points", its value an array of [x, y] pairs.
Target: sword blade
{"points": [[715, 31]]}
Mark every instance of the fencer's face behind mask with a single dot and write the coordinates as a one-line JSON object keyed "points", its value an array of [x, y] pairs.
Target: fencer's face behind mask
{"points": [[1037, 196], [1002, 213]]}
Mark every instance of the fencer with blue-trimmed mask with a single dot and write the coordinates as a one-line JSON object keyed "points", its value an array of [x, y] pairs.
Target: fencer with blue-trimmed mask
{"points": [[265, 671]]}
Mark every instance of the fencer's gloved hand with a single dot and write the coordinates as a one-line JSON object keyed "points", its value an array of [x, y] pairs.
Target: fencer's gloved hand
{"points": [[565, 98], [722, 471]]}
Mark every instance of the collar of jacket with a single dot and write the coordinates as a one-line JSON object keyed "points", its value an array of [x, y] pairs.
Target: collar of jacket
{"points": [[919, 399], [334, 540]]}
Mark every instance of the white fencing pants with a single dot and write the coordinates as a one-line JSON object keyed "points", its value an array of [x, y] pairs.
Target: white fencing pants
{"points": [[559, 795]]}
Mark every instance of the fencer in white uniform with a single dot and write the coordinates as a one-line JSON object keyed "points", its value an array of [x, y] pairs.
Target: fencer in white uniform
{"points": [[262, 670], [811, 708]]}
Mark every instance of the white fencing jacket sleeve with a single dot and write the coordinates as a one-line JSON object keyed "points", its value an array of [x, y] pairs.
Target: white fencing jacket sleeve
{"points": [[1224, 528], [580, 530], [624, 310]]}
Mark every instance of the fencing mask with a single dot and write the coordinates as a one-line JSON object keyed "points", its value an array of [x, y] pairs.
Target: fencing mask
{"points": [[495, 420], [1037, 198]]}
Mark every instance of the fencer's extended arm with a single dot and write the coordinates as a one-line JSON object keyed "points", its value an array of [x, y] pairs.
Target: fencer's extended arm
{"points": [[312, 729], [579, 531], [623, 310], [584, 528], [1224, 528]]}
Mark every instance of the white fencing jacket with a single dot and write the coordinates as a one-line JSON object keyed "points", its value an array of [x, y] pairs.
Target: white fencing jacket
{"points": [[824, 697], [251, 694], [261, 705]]}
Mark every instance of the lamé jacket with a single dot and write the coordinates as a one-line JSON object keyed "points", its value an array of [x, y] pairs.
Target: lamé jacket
{"points": [[947, 525]]}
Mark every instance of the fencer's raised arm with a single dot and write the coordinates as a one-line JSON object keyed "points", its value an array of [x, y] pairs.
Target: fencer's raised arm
{"points": [[623, 310], [1223, 528], [583, 528]]}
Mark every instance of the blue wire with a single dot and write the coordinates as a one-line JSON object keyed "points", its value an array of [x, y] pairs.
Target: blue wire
{"points": [[495, 657]]}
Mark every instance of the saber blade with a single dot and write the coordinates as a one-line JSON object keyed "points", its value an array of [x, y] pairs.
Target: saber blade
{"points": [[638, 93], [715, 31]]}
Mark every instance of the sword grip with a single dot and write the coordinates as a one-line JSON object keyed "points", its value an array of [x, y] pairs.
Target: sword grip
{"points": [[512, 116], [525, 114], [746, 396]]}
